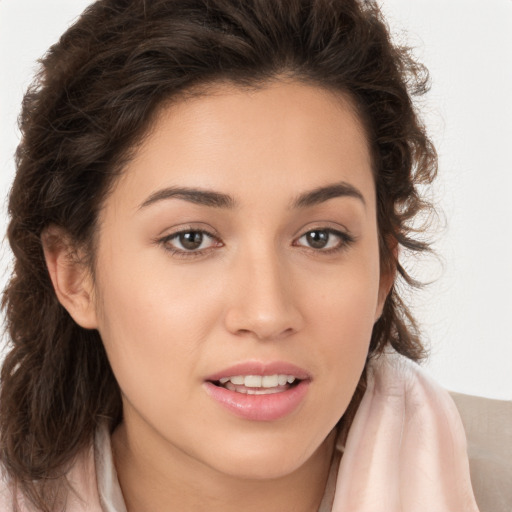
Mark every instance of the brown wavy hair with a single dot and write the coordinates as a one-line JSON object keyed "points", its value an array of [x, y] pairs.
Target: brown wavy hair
{"points": [[94, 98]]}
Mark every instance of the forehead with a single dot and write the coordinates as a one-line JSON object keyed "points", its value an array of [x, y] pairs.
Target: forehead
{"points": [[285, 136]]}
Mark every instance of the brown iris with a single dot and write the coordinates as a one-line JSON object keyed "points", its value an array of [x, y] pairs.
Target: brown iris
{"points": [[317, 239], [191, 240]]}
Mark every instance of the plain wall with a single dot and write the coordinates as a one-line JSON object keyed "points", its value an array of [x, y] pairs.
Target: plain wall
{"points": [[467, 45]]}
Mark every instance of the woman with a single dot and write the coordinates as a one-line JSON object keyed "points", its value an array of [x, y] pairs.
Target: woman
{"points": [[209, 207]]}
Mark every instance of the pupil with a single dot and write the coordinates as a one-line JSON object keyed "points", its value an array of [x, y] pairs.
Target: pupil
{"points": [[317, 239], [191, 240]]}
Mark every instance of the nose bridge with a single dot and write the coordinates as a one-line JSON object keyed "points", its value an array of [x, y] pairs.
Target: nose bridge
{"points": [[263, 301]]}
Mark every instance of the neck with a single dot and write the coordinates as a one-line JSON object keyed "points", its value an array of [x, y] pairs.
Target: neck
{"points": [[170, 481]]}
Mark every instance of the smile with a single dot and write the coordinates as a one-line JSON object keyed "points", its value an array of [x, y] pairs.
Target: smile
{"points": [[259, 392]]}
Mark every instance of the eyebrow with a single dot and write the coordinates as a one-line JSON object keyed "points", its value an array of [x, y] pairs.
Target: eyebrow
{"points": [[321, 194], [219, 200], [193, 195]]}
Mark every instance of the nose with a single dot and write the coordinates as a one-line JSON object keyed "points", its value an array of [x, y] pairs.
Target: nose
{"points": [[264, 302]]}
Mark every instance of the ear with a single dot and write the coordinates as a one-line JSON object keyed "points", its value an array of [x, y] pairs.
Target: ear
{"points": [[71, 278], [387, 278]]}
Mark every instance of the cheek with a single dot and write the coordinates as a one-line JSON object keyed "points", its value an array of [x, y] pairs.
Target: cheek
{"points": [[153, 328], [146, 298], [346, 299], [344, 327], [341, 317]]}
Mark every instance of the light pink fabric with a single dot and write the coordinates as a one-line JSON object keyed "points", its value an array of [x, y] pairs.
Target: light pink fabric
{"points": [[83, 497], [406, 452]]}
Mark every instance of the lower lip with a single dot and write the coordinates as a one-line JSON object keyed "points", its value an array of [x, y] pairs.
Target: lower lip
{"points": [[269, 407]]}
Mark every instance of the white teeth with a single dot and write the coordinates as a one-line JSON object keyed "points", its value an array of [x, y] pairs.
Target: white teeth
{"points": [[263, 391], [252, 381], [257, 381], [270, 381], [252, 391]]}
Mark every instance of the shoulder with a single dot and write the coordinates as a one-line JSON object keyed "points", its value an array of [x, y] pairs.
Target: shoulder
{"points": [[480, 428], [406, 448], [398, 384], [10, 499], [6, 495], [488, 426], [78, 486]]}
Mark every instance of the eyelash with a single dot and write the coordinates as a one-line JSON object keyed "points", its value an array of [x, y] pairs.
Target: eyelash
{"points": [[345, 240], [183, 253]]}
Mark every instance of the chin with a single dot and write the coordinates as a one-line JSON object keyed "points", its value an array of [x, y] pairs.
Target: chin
{"points": [[261, 468], [265, 459]]}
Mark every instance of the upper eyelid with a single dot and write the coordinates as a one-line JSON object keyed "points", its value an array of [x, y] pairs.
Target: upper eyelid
{"points": [[181, 231], [213, 232], [187, 229], [338, 231]]}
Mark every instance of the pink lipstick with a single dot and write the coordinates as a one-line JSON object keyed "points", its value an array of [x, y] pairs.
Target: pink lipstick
{"points": [[259, 391]]}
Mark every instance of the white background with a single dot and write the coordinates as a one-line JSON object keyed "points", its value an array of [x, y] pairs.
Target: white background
{"points": [[467, 45]]}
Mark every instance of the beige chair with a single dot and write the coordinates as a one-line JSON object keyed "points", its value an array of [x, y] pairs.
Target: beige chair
{"points": [[488, 425]]}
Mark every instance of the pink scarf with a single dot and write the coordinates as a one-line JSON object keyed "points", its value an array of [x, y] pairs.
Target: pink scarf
{"points": [[406, 449]]}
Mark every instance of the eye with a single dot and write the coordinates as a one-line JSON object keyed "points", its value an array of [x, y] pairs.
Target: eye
{"points": [[326, 240], [190, 241]]}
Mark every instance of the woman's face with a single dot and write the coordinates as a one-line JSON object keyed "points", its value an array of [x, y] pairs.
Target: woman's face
{"points": [[237, 252]]}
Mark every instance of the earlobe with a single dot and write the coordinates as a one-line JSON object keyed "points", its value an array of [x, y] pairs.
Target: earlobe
{"points": [[70, 277]]}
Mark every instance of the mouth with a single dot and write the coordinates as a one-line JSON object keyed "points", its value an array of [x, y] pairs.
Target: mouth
{"points": [[258, 384], [260, 392]]}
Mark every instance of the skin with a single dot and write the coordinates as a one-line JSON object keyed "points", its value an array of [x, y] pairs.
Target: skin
{"points": [[255, 291]]}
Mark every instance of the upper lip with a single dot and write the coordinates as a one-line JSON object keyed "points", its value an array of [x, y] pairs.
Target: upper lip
{"points": [[260, 368]]}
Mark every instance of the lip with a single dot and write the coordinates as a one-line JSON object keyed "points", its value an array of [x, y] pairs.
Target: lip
{"points": [[268, 407]]}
